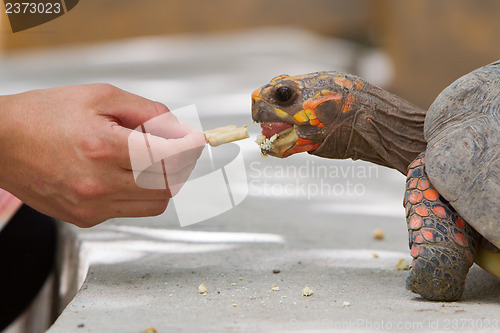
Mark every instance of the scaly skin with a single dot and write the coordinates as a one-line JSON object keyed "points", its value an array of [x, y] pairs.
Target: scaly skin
{"points": [[442, 244], [340, 116]]}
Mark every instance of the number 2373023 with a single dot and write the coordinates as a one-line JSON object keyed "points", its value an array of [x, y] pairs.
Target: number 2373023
{"points": [[33, 8]]}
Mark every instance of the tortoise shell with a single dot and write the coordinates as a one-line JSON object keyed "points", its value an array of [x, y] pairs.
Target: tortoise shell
{"points": [[462, 129]]}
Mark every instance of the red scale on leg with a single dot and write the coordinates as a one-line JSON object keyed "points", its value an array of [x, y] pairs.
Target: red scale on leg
{"points": [[431, 194], [422, 211], [418, 239], [460, 223], [423, 184], [414, 251], [415, 163], [428, 235], [412, 184], [415, 222], [440, 211], [415, 197], [460, 239]]}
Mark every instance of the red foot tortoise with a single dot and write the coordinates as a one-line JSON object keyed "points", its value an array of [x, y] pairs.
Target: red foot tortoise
{"points": [[450, 154]]}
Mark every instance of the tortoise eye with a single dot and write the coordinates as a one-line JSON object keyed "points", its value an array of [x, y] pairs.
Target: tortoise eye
{"points": [[284, 94]]}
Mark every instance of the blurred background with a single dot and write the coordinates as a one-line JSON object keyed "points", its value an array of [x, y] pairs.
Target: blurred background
{"points": [[428, 43]]}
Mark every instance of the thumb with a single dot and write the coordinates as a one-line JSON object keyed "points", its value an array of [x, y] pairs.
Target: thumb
{"points": [[130, 110]]}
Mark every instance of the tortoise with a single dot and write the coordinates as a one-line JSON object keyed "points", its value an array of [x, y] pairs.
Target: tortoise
{"points": [[449, 153]]}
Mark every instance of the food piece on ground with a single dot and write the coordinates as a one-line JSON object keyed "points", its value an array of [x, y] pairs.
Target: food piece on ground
{"points": [[402, 265], [202, 289], [307, 292], [379, 234]]}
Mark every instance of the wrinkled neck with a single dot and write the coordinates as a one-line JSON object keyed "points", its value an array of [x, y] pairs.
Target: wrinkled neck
{"points": [[383, 129]]}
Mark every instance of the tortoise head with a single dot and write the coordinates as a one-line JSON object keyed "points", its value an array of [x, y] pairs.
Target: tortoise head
{"points": [[303, 110]]}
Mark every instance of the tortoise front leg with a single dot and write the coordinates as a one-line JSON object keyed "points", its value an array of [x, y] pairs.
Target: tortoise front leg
{"points": [[442, 244]]}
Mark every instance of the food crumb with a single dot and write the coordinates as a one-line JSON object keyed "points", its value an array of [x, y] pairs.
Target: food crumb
{"points": [[307, 292], [402, 265], [202, 289], [275, 288], [276, 271], [265, 143], [379, 234], [345, 303], [374, 255], [82, 325], [234, 284]]}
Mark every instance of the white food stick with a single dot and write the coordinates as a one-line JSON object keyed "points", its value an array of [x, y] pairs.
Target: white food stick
{"points": [[220, 129], [221, 135]]}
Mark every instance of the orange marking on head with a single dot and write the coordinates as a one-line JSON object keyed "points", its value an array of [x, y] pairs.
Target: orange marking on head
{"points": [[423, 184], [358, 84], [428, 235], [320, 125], [301, 141], [460, 239], [414, 251], [415, 222], [431, 194], [415, 197], [413, 183], [301, 117], [301, 148], [256, 93], [343, 82], [324, 76], [313, 103], [418, 239], [348, 103], [422, 211], [311, 114], [439, 211], [314, 122], [279, 77], [460, 223]]}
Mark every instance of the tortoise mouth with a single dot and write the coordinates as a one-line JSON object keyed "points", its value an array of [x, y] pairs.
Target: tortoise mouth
{"points": [[277, 138], [275, 127]]}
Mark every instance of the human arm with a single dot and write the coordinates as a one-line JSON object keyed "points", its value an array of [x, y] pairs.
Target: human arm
{"points": [[65, 152]]}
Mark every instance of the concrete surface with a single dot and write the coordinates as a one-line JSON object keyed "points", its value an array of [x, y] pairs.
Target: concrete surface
{"points": [[295, 228]]}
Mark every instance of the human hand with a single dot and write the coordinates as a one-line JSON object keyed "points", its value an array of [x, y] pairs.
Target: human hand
{"points": [[65, 152]]}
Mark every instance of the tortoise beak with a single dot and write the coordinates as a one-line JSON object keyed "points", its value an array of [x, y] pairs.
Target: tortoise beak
{"points": [[263, 112]]}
